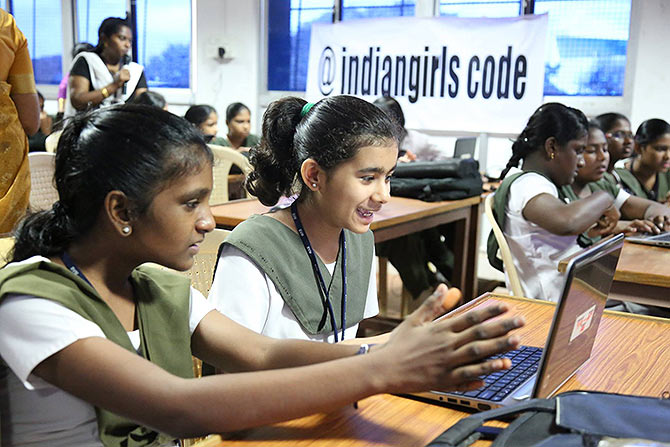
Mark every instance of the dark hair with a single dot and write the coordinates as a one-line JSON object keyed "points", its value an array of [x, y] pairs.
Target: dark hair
{"points": [[392, 108], [550, 120], [198, 113], [593, 124], [150, 98], [40, 95], [651, 130], [109, 27], [135, 149], [81, 47], [607, 121], [233, 109], [332, 131]]}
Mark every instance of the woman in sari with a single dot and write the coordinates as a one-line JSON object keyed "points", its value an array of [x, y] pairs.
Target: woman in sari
{"points": [[19, 115]]}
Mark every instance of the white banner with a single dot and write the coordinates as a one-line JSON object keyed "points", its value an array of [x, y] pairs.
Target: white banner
{"points": [[447, 73]]}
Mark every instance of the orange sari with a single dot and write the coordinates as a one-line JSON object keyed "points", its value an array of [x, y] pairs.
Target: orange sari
{"points": [[16, 77]]}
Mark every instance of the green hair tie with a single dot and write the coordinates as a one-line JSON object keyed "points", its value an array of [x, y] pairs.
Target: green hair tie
{"points": [[306, 108]]}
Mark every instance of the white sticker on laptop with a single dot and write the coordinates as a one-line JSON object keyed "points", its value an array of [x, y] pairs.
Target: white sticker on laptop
{"points": [[583, 323]]}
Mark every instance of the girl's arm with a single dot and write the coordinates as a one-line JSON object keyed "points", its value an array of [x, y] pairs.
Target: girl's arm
{"points": [[80, 96], [639, 208], [419, 356], [565, 219]]}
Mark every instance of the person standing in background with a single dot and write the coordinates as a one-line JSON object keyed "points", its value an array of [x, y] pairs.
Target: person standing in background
{"points": [[105, 75], [19, 115]]}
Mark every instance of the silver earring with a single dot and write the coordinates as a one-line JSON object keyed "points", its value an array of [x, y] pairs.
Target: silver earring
{"points": [[313, 185], [126, 230]]}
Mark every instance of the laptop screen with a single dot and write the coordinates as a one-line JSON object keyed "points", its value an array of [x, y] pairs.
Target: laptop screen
{"points": [[578, 314]]}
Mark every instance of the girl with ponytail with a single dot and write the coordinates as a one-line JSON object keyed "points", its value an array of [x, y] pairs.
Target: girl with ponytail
{"points": [[96, 349], [539, 226], [337, 157]]}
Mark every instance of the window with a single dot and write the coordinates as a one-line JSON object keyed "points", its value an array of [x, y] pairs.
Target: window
{"points": [[163, 36], [364, 9], [480, 8], [588, 41], [289, 31], [90, 15], [36, 20], [290, 27], [164, 42]]}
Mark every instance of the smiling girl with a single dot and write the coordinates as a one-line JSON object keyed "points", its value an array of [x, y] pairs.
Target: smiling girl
{"points": [[647, 175], [539, 226], [97, 349], [308, 271]]}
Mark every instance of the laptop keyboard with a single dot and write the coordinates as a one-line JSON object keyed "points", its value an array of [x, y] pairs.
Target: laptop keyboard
{"points": [[500, 384]]}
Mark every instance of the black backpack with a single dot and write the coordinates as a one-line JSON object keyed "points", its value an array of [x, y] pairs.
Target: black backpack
{"points": [[570, 419]]}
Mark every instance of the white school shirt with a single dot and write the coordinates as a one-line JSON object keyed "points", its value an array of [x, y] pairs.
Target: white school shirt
{"points": [[536, 251], [243, 292], [32, 411]]}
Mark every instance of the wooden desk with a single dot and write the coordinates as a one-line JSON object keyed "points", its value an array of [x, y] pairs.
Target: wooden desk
{"points": [[399, 217], [642, 275], [630, 355]]}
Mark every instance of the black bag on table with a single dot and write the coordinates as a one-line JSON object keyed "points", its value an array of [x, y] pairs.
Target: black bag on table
{"points": [[571, 419], [432, 181]]}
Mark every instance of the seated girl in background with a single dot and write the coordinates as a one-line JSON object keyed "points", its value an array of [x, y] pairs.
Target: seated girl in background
{"points": [[641, 215], [205, 118], [238, 120], [96, 349], [308, 271], [647, 174], [644, 216], [620, 141], [540, 227]]}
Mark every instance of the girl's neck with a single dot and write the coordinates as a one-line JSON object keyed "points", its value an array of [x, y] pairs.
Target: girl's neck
{"points": [[643, 173], [102, 265], [235, 142], [536, 164], [324, 238], [111, 61]]}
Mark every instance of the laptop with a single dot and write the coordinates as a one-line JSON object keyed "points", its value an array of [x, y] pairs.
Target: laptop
{"points": [[539, 372], [465, 147], [657, 240]]}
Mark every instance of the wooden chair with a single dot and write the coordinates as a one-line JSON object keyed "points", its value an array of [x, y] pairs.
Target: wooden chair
{"points": [[505, 253], [224, 159], [43, 192]]}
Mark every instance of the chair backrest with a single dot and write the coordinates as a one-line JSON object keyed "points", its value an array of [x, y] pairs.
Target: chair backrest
{"points": [[505, 252], [204, 262], [202, 271], [51, 143], [6, 245], [43, 192], [224, 158]]}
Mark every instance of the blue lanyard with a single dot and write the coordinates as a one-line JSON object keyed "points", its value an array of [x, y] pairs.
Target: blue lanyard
{"points": [[69, 263], [317, 272]]}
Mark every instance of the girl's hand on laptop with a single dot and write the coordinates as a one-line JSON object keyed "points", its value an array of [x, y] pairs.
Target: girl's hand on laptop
{"points": [[423, 354], [637, 226]]}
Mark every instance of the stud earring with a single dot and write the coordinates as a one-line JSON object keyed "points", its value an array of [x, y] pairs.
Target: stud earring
{"points": [[313, 185], [552, 155], [126, 230]]}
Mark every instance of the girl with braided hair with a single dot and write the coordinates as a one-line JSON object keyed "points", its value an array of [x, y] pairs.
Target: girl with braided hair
{"points": [[539, 226]]}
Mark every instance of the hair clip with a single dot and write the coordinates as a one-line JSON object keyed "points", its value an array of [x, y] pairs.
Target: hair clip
{"points": [[306, 108]]}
